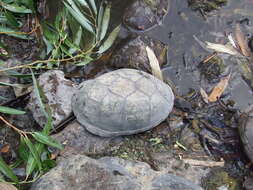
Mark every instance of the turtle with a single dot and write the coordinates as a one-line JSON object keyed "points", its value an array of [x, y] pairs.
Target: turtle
{"points": [[122, 102], [246, 133], [143, 15]]}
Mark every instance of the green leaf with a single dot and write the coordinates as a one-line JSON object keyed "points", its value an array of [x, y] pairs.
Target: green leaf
{"points": [[15, 8], [45, 139], [23, 151], [11, 32], [49, 125], [76, 13], [93, 5], [11, 19], [48, 164], [105, 22], [31, 162], [100, 19], [85, 61], [33, 151], [7, 110], [7, 171], [77, 41], [38, 95], [84, 3], [109, 41]]}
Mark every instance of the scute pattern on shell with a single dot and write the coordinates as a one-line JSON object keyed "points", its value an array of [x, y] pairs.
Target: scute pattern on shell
{"points": [[122, 102]]}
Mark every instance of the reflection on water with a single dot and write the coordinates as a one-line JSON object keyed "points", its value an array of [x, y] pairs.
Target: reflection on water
{"points": [[178, 31]]}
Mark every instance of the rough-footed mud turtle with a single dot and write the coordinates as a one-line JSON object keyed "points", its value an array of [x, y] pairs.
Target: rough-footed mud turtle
{"points": [[143, 15], [246, 133], [122, 102]]}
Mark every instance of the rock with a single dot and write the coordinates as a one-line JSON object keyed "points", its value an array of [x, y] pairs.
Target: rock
{"points": [[6, 92], [83, 173], [167, 162], [122, 102], [78, 140], [133, 54], [142, 15], [58, 92]]}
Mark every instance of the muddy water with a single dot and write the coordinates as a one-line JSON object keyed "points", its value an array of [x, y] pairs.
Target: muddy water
{"points": [[179, 31]]}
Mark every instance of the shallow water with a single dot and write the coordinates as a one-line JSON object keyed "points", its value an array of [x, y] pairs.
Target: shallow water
{"points": [[178, 31]]}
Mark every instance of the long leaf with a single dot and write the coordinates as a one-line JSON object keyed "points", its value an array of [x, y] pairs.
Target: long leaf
{"points": [[93, 5], [31, 162], [11, 19], [84, 3], [45, 139], [14, 33], [15, 8], [7, 110], [38, 94], [33, 151], [6, 170], [76, 13], [77, 41], [105, 22], [99, 20], [85, 61], [109, 41]]}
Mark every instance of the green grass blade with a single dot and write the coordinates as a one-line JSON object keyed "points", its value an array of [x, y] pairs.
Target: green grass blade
{"points": [[7, 110], [33, 151], [45, 139], [105, 22], [109, 41], [7, 171]]}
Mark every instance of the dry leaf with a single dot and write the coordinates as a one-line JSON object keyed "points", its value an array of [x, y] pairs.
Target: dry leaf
{"points": [[5, 148], [242, 43], [7, 186], [204, 95], [232, 41], [222, 48], [219, 89], [155, 67]]}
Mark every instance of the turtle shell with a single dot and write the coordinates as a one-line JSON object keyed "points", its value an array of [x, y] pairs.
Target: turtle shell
{"points": [[122, 102], [246, 133]]}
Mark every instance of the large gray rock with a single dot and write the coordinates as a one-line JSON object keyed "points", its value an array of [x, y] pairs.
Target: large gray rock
{"points": [[122, 102], [58, 92], [77, 139], [83, 173]]}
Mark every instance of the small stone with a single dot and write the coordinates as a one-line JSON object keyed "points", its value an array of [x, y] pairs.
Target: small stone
{"points": [[79, 172], [58, 92]]}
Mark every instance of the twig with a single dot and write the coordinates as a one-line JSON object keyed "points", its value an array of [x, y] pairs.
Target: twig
{"points": [[209, 57], [14, 128], [203, 163]]}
